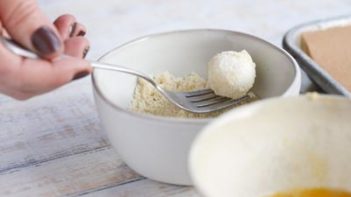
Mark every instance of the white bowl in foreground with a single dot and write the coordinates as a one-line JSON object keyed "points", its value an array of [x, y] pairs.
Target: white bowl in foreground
{"points": [[158, 147], [276, 145]]}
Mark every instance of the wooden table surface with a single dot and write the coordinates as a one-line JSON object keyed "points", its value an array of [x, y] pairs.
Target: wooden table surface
{"points": [[53, 145]]}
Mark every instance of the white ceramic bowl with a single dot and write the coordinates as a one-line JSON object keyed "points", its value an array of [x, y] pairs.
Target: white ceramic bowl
{"points": [[276, 145], [157, 147]]}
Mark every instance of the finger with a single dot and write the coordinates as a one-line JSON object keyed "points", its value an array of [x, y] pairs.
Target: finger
{"points": [[37, 76], [78, 30], [3, 31], [28, 25], [55, 75], [23, 78], [65, 24], [9, 64], [69, 27], [77, 47]]}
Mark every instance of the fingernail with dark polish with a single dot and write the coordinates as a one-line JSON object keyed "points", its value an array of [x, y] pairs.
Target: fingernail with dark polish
{"points": [[80, 75], [85, 52], [45, 41], [81, 33], [73, 29]]}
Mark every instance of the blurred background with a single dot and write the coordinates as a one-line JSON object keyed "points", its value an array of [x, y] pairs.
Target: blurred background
{"points": [[112, 22]]}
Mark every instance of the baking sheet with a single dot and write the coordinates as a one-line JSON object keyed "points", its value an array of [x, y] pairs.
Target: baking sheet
{"points": [[292, 43]]}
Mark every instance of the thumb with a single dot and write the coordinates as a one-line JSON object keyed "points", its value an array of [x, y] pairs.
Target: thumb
{"points": [[29, 26]]}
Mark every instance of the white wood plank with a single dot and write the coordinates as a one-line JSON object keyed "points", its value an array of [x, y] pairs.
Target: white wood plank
{"points": [[146, 188], [71, 175], [55, 125]]}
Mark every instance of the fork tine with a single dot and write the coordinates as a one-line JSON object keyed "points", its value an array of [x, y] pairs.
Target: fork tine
{"points": [[201, 101], [205, 99], [210, 102], [198, 93], [224, 103], [200, 98]]}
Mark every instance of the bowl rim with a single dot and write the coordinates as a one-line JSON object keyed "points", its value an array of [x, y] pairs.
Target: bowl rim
{"points": [[198, 121], [244, 112]]}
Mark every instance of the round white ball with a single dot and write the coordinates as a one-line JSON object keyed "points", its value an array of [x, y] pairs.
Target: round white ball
{"points": [[231, 74]]}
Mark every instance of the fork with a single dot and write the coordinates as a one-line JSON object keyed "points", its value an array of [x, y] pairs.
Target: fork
{"points": [[198, 101]]}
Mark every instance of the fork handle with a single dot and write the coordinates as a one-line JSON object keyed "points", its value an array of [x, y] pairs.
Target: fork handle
{"points": [[19, 50]]}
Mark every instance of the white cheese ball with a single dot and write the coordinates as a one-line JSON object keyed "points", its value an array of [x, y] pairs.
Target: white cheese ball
{"points": [[231, 74]]}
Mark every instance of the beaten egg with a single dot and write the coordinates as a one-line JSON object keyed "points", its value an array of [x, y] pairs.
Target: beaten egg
{"points": [[314, 192]]}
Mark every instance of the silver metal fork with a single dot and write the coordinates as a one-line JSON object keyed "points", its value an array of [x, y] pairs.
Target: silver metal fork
{"points": [[199, 101]]}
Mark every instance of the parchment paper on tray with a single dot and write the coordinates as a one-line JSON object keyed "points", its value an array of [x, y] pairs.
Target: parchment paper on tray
{"points": [[319, 47]]}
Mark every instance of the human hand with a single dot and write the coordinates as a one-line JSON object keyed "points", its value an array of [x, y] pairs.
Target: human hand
{"points": [[23, 78]]}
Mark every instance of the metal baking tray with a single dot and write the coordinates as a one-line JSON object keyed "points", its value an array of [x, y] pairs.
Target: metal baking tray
{"points": [[292, 43]]}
